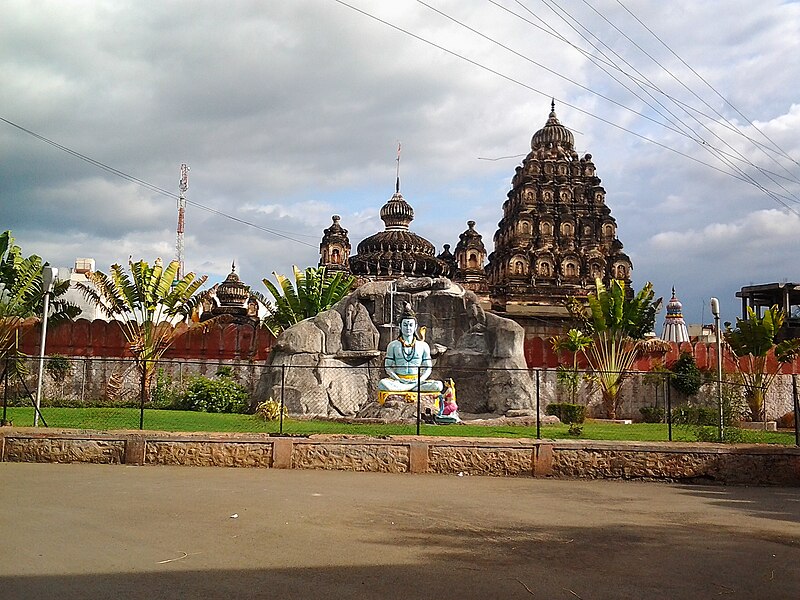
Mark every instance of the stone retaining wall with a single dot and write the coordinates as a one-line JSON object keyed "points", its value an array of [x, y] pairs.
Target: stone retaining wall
{"points": [[727, 464]]}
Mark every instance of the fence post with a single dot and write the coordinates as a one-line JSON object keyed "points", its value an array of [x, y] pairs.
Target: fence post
{"points": [[538, 409], [283, 382], [796, 410], [5, 391], [419, 396]]}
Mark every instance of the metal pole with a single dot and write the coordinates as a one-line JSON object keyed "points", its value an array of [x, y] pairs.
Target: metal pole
{"points": [[419, 396], [38, 401], [538, 407], [283, 382], [668, 393], [796, 411], [718, 336]]}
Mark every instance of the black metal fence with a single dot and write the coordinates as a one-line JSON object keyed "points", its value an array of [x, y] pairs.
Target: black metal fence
{"points": [[184, 395]]}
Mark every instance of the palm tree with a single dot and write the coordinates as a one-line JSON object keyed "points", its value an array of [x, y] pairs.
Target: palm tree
{"points": [[313, 291], [754, 339], [147, 304], [22, 296], [617, 324]]}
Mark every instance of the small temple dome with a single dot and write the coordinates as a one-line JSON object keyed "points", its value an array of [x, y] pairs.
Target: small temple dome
{"points": [[553, 133], [674, 326], [232, 292]]}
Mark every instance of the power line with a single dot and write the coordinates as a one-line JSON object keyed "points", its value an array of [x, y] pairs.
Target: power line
{"points": [[156, 189], [719, 154], [741, 176]]}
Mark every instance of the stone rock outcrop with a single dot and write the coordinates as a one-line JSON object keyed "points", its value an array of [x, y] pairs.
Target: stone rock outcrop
{"points": [[331, 364]]}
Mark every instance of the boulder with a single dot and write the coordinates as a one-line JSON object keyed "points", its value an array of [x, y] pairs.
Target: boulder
{"points": [[335, 360]]}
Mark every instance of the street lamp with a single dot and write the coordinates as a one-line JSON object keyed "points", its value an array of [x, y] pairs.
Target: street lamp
{"points": [[49, 275], [718, 335]]}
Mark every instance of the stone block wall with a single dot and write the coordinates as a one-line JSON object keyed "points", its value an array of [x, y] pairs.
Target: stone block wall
{"points": [[569, 459]]}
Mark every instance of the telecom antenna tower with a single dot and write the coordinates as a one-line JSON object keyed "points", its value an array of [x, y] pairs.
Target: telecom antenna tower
{"points": [[184, 185]]}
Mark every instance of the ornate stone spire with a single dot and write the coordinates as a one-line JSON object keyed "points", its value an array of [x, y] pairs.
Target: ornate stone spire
{"points": [[470, 257], [334, 250]]}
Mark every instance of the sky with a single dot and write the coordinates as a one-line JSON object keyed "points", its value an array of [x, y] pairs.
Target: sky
{"points": [[290, 111]]}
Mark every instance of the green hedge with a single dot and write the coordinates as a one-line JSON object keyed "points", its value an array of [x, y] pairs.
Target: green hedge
{"points": [[652, 414], [567, 412]]}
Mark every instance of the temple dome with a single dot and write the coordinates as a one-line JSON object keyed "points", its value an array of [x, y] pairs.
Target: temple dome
{"points": [[553, 133], [674, 326], [397, 250]]}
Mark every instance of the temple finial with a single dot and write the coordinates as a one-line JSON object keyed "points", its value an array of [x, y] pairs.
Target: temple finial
{"points": [[397, 184], [553, 104]]}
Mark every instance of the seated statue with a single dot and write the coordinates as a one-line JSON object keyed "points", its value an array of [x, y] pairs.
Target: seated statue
{"points": [[407, 358]]}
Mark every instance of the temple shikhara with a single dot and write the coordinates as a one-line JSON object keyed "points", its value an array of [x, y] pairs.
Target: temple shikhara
{"points": [[555, 238]]}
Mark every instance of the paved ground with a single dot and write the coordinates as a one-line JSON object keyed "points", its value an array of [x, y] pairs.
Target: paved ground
{"points": [[92, 531]]}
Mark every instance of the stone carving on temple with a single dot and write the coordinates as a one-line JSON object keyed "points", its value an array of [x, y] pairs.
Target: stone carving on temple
{"points": [[556, 236]]}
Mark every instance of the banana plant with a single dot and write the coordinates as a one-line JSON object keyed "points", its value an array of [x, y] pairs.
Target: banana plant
{"points": [[314, 290], [22, 296], [617, 323], [753, 340], [147, 304]]}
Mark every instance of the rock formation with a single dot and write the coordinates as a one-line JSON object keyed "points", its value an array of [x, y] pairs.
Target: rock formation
{"points": [[330, 365]]}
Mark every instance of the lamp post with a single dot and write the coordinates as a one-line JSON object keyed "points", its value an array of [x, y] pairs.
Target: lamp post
{"points": [[49, 275], [718, 336]]}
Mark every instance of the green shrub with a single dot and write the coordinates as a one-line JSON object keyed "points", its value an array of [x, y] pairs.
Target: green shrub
{"points": [[652, 414], [566, 412], [695, 415], [58, 367], [270, 410], [165, 393], [220, 395], [686, 377], [575, 430]]}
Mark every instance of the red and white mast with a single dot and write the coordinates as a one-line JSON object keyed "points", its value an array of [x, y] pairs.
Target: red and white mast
{"points": [[184, 185]]}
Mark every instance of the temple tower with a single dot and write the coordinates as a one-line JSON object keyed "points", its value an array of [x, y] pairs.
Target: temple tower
{"points": [[470, 256], [334, 250], [556, 235]]}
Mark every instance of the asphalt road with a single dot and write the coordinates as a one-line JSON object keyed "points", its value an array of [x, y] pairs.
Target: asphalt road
{"points": [[94, 531]]}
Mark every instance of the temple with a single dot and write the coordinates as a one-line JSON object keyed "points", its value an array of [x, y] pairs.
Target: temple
{"points": [[556, 237], [674, 326]]}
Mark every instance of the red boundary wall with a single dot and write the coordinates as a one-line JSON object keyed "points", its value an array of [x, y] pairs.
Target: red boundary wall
{"points": [[539, 353], [245, 342], [105, 339]]}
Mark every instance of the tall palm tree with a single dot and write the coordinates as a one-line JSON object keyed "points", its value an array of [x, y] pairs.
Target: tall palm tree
{"points": [[754, 339], [617, 324], [313, 291], [147, 304]]}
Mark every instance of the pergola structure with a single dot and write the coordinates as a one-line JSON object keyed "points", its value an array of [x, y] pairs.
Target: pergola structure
{"points": [[785, 295]]}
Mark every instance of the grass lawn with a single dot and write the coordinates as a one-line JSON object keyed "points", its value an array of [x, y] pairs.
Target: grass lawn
{"points": [[174, 420]]}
